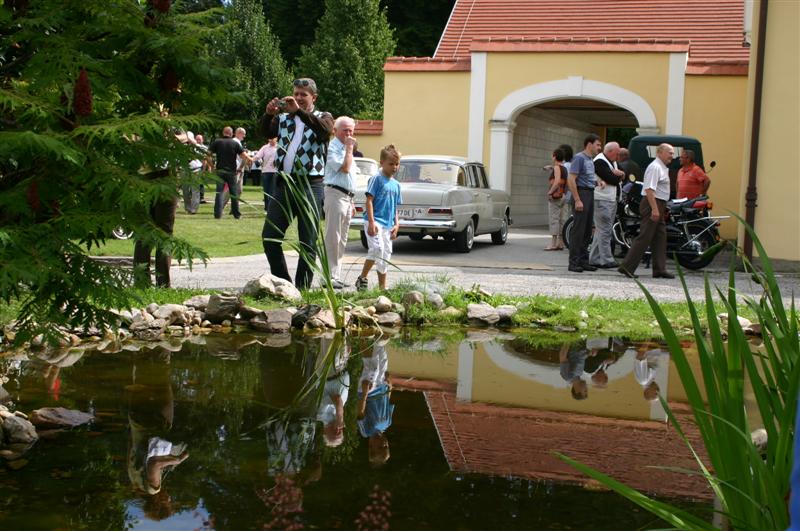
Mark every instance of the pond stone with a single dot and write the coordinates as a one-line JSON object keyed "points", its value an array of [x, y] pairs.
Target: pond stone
{"points": [[152, 308], [390, 319], [273, 321], [383, 304], [506, 312], [435, 300], [18, 430], [270, 285], [248, 312], [222, 306], [482, 313], [303, 314], [59, 417], [171, 313], [198, 302], [323, 319], [451, 311], [412, 298], [362, 316], [16, 464]]}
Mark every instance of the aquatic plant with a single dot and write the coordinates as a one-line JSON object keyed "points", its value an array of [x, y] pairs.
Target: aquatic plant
{"points": [[750, 488]]}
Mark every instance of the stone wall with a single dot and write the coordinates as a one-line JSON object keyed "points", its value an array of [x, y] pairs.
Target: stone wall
{"points": [[536, 135]]}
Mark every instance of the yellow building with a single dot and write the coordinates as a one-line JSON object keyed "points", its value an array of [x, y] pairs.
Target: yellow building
{"points": [[512, 79]]}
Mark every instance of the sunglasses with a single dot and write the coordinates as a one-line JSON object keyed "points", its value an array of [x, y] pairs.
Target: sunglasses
{"points": [[301, 83]]}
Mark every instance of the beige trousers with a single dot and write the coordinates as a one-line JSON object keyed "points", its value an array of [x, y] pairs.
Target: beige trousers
{"points": [[338, 211]]}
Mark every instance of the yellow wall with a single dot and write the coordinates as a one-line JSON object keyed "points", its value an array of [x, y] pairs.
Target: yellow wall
{"points": [[777, 219], [507, 72], [714, 112], [426, 112], [370, 145]]}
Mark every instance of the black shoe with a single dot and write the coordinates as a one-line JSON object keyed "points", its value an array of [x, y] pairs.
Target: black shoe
{"points": [[609, 265], [627, 273], [576, 269], [588, 267], [663, 275]]}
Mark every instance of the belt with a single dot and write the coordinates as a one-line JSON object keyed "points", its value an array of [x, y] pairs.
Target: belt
{"points": [[343, 190]]}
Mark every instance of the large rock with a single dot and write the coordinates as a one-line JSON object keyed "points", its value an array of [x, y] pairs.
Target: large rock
{"points": [[270, 285], [362, 316], [148, 330], [222, 306], [304, 313], [198, 302], [435, 300], [272, 321], [383, 304], [323, 319], [482, 314], [390, 319], [18, 430], [248, 312], [450, 311], [506, 312], [59, 417], [173, 314]]}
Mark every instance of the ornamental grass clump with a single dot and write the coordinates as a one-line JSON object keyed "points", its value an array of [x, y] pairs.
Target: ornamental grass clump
{"points": [[750, 488]]}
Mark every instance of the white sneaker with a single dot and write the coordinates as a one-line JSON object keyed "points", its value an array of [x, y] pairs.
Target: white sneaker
{"points": [[338, 284]]}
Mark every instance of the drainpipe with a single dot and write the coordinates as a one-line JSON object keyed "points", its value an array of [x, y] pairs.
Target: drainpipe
{"points": [[752, 190]]}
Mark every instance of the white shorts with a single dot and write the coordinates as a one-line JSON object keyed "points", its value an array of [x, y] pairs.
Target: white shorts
{"points": [[379, 248]]}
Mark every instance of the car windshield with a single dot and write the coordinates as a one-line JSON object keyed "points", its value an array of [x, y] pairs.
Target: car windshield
{"points": [[429, 172], [367, 167]]}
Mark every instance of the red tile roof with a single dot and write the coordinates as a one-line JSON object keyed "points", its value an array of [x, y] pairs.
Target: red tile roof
{"points": [[399, 64], [714, 28], [369, 127]]}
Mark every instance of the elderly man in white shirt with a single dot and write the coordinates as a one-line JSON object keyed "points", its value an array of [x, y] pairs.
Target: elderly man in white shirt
{"points": [[653, 229], [340, 172]]}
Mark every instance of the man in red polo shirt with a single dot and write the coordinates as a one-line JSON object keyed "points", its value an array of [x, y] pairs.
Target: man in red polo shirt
{"points": [[692, 180]]}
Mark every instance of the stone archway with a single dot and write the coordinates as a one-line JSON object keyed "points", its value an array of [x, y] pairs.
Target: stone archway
{"points": [[502, 123]]}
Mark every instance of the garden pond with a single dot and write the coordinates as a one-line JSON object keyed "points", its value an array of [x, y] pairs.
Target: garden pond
{"points": [[424, 429]]}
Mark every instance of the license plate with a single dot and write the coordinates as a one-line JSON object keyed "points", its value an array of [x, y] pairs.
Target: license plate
{"points": [[409, 213]]}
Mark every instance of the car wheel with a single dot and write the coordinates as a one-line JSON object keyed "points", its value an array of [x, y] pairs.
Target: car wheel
{"points": [[466, 238], [417, 236], [501, 236], [364, 239]]}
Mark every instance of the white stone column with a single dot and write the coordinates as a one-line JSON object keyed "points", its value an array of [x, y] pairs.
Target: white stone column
{"points": [[466, 362], [501, 146], [477, 106]]}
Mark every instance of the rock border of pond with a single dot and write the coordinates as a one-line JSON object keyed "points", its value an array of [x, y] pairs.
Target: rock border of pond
{"points": [[227, 312]]}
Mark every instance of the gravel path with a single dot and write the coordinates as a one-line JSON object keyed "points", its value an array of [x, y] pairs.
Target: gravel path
{"points": [[520, 267]]}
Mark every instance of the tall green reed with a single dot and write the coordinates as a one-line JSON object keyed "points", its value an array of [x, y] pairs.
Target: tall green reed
{"points": [[750, 489]]}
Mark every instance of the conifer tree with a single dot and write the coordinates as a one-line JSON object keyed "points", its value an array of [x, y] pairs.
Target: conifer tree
{"points": [[346, 59], [91, 95], [257, 70]]}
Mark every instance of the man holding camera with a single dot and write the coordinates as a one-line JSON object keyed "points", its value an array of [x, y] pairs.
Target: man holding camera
{"points": [[303, 134]]}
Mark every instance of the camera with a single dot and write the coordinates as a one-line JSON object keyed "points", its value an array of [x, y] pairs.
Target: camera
{"points": [[281, 104]]}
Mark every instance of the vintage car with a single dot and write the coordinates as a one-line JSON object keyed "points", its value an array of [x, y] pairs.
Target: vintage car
{"points": [[448, 198], [365, 168]]}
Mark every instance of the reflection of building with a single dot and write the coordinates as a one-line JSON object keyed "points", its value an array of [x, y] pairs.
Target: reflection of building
{"points": [[509, 81], [500, 414]]}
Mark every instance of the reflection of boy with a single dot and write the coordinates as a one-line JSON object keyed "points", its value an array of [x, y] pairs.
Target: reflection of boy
{"points": [[331, 409], [644, 370], [572, 363], [374, 409]]}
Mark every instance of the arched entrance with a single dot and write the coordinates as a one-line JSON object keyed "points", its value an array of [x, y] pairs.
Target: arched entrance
{"points": [[530, 122]]}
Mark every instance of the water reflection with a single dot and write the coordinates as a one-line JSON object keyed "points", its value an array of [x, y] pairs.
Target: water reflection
{"points": [[274, 427]]}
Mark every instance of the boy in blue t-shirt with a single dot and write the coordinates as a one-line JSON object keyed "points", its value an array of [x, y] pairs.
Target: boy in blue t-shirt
{"points": [[383, 196]]}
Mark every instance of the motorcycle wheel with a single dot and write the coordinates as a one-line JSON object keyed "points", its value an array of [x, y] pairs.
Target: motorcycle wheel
{"points": [[699, 261], [566, 231], [121, 233]]}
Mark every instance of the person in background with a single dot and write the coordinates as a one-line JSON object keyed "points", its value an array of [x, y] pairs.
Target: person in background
{"points": [[227, 150], [267, 155], [692, 180], [605, 206], [628, 166], [356, 152], [383, 197], [556, 202], [581, 182]]}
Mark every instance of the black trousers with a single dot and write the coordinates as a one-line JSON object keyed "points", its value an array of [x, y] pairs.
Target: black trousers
{"points": [[281, 209], [163, 214], [581, 233], [652, 234]]}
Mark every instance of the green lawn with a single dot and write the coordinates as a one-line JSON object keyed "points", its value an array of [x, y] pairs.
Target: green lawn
{"points": [[218, 237]]}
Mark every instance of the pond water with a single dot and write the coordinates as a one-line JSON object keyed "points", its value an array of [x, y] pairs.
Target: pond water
{"points": [[457, 431]]}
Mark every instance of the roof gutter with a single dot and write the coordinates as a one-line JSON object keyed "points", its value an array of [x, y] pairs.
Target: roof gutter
{"points": [[752, 190]]}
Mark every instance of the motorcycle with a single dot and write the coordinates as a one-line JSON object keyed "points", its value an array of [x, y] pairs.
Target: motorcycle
{"points": [[691, 230]]}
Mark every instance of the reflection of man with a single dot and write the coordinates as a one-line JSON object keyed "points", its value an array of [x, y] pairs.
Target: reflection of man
{"points": [[572, 363], [331, 408], [150, 454], [645, 370], [340, 172], [692, 180], [581, 183], [374, 409], [303, 134], [653, 230]]}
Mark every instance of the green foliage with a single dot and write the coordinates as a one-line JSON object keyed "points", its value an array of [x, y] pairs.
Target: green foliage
{"points": [[293, 21], [750, 488], [419, 24], [72, 169], [346, 59], [251, 51]]}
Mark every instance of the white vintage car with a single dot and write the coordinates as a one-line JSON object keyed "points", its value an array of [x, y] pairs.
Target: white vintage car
{"points": [[445, 197]]}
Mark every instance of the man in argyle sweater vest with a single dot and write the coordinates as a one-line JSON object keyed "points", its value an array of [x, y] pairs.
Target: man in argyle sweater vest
{"points": [[303, 135]]}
